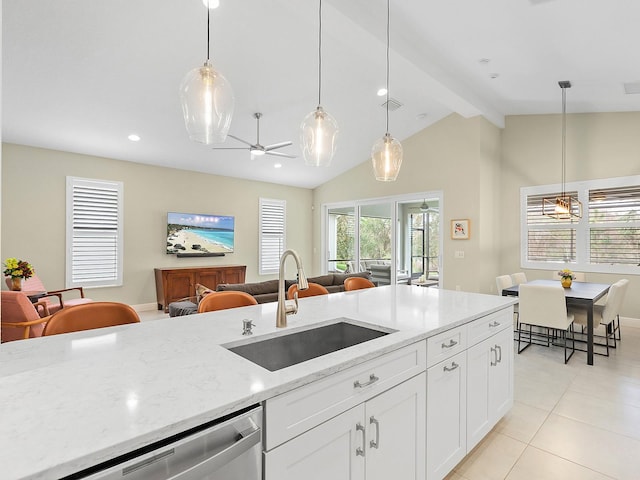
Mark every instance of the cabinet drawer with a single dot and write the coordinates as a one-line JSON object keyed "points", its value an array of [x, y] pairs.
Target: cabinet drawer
{"points": [[446, 344], [299, 410], [488, 325]]}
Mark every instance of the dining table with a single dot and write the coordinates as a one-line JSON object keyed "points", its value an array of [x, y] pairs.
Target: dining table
{"points": [[579, 294]]}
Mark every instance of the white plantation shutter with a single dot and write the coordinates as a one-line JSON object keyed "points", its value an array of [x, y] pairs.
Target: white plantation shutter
{"points": [[272, 234], [94, 233]]}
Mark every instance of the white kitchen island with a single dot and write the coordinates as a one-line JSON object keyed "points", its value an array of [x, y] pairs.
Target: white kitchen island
{"points": [[72, 401]]}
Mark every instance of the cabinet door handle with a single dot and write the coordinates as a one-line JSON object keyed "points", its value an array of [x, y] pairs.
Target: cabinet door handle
{"points": [[372, 379], [376, 443], [452, 343], [495, 355], [360, 451], [454, 365], [494, 324], [499, 350]]}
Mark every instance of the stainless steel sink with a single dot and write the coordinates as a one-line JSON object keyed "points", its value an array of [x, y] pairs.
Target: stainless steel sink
{"points": [[285, 350]]}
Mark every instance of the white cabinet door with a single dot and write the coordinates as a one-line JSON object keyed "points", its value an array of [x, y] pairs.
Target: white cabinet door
{"points": [[446, 415], [333, 450], [501, 377], [489, 384], [396, 432]]}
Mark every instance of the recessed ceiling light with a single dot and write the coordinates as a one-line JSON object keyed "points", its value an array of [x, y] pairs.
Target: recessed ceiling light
{"points": [[277, 165], [382, 92], [422, 116], [484, 61], [211, 3], [493, 76], [134, 138]]}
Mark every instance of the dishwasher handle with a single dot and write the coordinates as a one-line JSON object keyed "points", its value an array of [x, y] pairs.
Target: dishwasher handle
{"points": [[220, 459]]}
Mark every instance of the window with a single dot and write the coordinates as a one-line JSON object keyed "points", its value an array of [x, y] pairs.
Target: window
{"points": [[94, 233], [272, 234], [606, 238]]}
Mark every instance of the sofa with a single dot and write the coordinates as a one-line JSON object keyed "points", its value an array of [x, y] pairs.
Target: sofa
{"points": [[267, 291]]}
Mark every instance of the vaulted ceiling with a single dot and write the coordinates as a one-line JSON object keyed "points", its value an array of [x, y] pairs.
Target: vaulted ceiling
{"points": [[81, 76]]}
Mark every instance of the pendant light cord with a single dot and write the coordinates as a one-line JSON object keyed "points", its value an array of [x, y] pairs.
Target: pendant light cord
{"points": [[564, 139], [208, 30], [388, 23], [319, 51]]}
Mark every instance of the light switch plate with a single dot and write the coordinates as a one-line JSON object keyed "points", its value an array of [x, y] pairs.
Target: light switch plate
{"points": [[459, 254]]}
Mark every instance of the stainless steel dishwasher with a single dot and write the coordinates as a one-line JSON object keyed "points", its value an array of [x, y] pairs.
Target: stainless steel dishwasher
{"points": [[226, 449]]}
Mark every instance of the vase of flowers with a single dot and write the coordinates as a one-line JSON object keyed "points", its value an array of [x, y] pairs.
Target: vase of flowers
{"points": [[566, 277], [17, 270]]}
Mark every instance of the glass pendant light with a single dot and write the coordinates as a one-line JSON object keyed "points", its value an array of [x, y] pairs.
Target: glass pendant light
{"points": [[564, 206], [319, 130], [207, 101], [386, 153]]}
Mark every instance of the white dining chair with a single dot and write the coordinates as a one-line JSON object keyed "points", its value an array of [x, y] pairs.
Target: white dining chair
{"points": [[502, 282], [607, 314], [518, 278], [545, 306]]}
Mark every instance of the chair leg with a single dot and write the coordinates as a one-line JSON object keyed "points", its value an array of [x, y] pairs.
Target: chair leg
{"points": [[520, 339], [573, 344]]}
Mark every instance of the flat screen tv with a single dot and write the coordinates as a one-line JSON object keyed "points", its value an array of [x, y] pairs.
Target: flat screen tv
{"points": [[192, 234]]}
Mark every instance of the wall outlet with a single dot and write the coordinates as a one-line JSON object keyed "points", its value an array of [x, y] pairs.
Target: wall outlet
{"points": [[459, 254]]}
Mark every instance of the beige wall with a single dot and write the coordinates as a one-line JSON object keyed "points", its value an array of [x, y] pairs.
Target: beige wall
{"points": [[33, 215], [458, 156], [599, 145]]}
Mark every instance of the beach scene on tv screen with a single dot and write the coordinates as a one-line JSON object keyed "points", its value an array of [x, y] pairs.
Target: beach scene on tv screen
{"points": [[193, 233]]}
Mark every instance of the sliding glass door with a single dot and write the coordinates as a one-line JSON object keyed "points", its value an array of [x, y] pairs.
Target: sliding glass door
{"points": [[397, 240], [341, 247]]}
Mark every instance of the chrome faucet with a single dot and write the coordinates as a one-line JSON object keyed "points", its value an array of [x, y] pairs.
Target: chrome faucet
{"points": [[286, 307]]}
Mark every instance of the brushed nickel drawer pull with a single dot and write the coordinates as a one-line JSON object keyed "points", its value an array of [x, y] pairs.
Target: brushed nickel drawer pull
{"points": [[454, 365], [372, 379], [494, 324], [452, 343]]}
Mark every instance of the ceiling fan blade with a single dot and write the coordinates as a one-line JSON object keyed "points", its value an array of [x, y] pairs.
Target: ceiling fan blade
{"points": [[229, 148], [240, 140], [278, 154], [277, 145]]}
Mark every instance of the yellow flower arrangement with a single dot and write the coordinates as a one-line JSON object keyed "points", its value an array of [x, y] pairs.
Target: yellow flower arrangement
{"points": [[566, 273], [15, 268]]}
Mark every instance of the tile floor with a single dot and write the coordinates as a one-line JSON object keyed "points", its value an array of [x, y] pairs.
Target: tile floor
{"points": [[568, 421]]}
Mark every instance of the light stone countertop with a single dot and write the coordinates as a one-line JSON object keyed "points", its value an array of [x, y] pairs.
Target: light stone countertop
{"points": [[72, 401]]}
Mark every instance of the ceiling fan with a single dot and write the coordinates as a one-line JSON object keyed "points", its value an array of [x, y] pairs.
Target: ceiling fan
{"points": [[425, 207], [257, 149]]}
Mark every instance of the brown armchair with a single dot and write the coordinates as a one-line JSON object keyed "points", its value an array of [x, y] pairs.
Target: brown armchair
{"points": [[54, 299], [20, 318]]}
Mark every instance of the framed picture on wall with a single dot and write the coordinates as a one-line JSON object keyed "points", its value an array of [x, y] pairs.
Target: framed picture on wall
{"points": [[460, 229]]}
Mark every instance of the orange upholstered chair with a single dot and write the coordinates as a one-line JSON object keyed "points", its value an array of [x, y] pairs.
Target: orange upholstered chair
{"points": [[35, 285], [313, 290], [20, 319], [89, 316], [223, 300], [357, 283]]}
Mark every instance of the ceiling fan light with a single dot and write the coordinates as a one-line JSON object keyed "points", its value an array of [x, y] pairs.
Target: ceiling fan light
{"points": [[386, 156], [207, 104], [318, 134], [257, 152]]}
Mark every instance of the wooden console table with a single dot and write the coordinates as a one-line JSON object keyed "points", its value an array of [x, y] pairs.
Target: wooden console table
{"points": [[180, 282]]}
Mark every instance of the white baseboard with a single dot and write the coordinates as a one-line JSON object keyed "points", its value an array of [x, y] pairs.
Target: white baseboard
{"points": [[145, 307], [630, 322]]}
